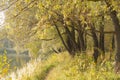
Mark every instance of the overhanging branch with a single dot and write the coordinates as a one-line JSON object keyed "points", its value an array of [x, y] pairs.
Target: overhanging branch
{"points": [[25, 8], [9, 6]]}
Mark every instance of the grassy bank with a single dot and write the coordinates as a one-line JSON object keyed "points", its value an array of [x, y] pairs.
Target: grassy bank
{"points": [[64, 67]]}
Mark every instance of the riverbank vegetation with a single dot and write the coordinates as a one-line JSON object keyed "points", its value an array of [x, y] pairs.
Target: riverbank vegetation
{"points": [[63, 66], [4, 65]]}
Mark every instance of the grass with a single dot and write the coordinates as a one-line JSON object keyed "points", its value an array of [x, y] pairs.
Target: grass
{"points": [[64, 67]]}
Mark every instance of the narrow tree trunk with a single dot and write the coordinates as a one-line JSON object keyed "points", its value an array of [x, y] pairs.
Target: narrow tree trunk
{"points": [[112, 46], [81, 37], [62, 39], [79, 43], [73, 37], [85, 41], [101, 41], [113, 43], [71, 42], [70, 45], [96, 46]]}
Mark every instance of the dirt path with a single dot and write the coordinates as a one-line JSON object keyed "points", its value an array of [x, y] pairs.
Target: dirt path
{"points": [[48, 74]]}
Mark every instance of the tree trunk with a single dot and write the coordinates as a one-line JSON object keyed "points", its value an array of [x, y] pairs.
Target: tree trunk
{"points": [[117, 30], [71, 42], [96, 46], [101, 41], [73, 37], [81, 37], [113, 15], [85, 41], [79, 43], [62, 38], [112, 48], [113, 43]]}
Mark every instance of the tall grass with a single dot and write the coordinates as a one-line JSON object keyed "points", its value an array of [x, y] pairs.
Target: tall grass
{"points": [[64, 67]]}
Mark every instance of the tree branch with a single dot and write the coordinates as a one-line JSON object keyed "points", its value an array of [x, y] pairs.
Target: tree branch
{"points": [[25, 8], [3, 9]]}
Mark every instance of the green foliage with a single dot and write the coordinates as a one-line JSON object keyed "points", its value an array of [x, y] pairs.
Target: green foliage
{"points": [[4, 65], [34, 48], [34, 19]]}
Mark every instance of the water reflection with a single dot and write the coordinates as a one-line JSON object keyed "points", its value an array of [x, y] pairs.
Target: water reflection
{"points": [[18, 60]]}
